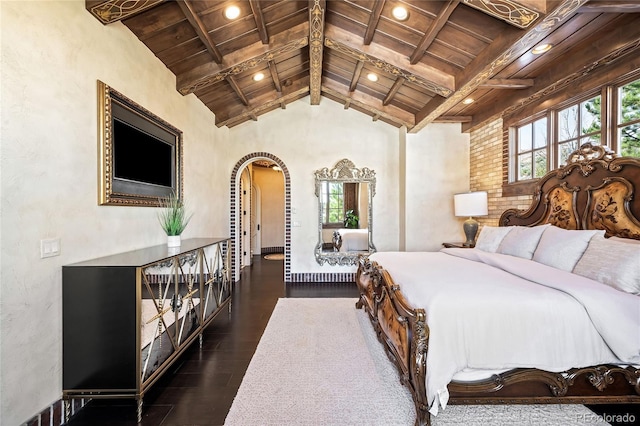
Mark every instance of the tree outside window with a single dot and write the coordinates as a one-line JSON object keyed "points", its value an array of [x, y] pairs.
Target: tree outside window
{"points": [[578, 125], [629, 119]]}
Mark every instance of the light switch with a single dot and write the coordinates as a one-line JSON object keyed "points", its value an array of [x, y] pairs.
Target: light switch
{"points": [[49, 247]]}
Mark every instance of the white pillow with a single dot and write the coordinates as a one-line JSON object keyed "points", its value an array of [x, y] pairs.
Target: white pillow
{"points": [[490, 237], [563, 248], [625, 240], [611, 262], [522, 241]]}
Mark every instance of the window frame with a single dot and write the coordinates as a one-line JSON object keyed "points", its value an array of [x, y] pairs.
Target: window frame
{"points": [[617, 125], [326, 199], [346, 197], [609, 131], [579, 138], [514, 152]]}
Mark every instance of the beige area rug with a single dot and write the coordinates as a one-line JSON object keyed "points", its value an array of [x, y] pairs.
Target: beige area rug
{"points": [[274, 256], [319, 363]]}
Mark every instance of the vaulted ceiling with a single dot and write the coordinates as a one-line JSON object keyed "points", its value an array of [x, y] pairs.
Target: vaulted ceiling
{"points": [[426, 65]]}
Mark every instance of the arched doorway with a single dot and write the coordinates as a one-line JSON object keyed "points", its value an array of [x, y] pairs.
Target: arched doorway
{"points": [[236, 217]]}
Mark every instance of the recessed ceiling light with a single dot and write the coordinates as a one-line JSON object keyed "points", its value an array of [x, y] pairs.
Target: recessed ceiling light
{"points": [[400, 13], [372, 77], [468, 101], [541, 48], [258, 76], [232, 12]]}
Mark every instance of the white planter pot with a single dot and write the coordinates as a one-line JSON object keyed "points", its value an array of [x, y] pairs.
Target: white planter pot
{"points": [[173, 241]]}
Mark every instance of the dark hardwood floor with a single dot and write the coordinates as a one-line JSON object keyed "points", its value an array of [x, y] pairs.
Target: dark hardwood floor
{"points": [[201, 385]]}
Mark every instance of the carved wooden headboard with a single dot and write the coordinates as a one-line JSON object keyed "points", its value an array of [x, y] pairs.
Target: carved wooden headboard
{"points": [[595, 190]]}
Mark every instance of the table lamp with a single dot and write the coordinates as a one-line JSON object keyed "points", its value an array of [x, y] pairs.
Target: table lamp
{"points": [[470, 204]]}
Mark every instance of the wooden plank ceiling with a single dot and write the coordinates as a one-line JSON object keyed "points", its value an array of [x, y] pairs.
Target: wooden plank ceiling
{"points": [[426, 65]]}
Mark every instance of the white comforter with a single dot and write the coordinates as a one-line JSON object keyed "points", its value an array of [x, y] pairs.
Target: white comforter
{"points": [[494, 311], [354, 239]]}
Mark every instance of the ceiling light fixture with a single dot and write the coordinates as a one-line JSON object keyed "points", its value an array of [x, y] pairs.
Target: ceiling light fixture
{"points": [[232, 12], [541, 48], [372, 77], [468, 101], [400, 13], [258, 76]]}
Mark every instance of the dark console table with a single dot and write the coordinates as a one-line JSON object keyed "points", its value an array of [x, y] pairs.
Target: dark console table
{"points": [[126, 318]]}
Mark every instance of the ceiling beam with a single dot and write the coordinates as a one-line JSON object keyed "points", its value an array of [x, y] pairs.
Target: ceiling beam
{"points": [[507, 83], [232, 82], [110, 11], [368, 103], [389, 61], [495, 59], [394, 89], [454, 119], [198, 26], [316, 35], [611, 6], [356, 76], [373, 21], [509, 11], [563, 74], [264, 103], [274, 76], [432, 32], [244, 59], [259, 18]]}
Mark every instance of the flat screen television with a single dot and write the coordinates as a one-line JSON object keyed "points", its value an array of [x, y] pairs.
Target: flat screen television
{"points": [[140, 154], [143, 155]]}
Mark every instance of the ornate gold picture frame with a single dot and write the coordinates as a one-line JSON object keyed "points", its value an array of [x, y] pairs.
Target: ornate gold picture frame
{"points": [[140, 155]]}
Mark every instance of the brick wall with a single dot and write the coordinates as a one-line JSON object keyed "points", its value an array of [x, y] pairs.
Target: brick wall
{"points": [[488, 162]]}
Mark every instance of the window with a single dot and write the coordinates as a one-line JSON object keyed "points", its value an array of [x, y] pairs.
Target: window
{"points": [[576, 125], [333, 202], [628, 134], [338, 198], [532, 150], [543, 142]]}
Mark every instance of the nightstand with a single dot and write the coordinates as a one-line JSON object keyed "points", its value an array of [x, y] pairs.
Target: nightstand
{"points": [[455, 245]]}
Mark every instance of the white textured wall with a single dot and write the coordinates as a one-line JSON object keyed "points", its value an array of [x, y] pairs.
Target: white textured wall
{"points": [[437, 167], [52, 53]]}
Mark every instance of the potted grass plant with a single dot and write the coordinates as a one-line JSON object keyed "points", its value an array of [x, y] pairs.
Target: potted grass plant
{"points": [[173, 218]]}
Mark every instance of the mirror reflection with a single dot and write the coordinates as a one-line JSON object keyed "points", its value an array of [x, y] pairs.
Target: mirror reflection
{"points": [[345, 195]]}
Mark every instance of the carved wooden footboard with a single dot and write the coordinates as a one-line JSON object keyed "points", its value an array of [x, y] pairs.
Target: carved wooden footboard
{"points": [[404, 333], [402, 330]]}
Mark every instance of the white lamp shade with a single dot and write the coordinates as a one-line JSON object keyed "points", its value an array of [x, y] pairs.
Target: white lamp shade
{"points": [[471, 204]]}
